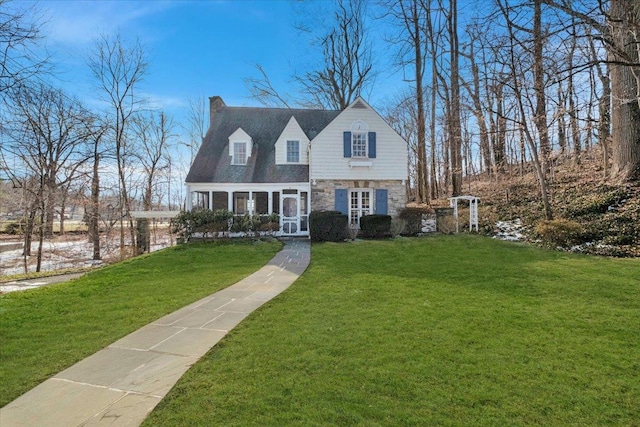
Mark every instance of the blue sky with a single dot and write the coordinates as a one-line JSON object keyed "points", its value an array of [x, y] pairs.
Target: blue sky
{"points": [[195, 48]]}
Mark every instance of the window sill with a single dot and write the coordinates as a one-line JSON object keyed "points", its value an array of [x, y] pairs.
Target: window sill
{"points": [[360, 163]]}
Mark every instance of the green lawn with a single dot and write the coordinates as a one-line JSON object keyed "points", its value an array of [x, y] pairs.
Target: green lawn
{"points": [[45, 330], [448, 330]]}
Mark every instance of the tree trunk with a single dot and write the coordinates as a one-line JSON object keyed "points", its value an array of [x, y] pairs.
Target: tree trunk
{"points": [[540, 117], [625, 112], [562, 124], [435, 191], [455, 127], [500, 131], [94, 226]]}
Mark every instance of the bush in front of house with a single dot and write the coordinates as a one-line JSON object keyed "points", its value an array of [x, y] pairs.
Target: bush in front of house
{"points": [[269, 224], [412, 217], [375, 226], [205, 221], [328, 226]]}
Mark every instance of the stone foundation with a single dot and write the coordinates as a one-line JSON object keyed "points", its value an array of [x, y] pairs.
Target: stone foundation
{"points": [[323, 193]]}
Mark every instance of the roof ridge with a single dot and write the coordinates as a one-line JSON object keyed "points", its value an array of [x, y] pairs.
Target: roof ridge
{"points": [[279, 109]]}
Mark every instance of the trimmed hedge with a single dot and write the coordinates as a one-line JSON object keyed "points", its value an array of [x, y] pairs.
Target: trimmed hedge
{"points": [[328, 226], [375, 226]]}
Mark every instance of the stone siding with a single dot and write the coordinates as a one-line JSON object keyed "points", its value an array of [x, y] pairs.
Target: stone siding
{"points": [[323, 193]]}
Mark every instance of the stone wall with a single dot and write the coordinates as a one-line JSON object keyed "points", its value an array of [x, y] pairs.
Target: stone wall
{"points": [[323, 193]]}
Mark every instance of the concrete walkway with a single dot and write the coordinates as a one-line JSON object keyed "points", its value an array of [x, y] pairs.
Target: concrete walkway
{"points": [[120, 385]]}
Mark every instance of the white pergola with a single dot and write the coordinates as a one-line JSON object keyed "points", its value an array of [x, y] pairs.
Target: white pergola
{"points": [[473, 210]]}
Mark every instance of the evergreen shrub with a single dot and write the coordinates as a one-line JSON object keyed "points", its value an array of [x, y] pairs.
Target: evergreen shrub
{"points": [[328, 226], [375, 226]]}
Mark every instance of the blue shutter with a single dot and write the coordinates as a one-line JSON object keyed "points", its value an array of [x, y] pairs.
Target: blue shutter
{"points": [[346, 143], [381, 202], [372, 145], [342, 201]]}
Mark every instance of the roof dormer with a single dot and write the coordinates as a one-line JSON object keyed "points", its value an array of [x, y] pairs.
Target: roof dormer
{"points": [[240, 144], [291, 146]]}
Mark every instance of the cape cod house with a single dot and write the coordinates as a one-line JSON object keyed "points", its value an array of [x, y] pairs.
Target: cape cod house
{"points": [[293, 161]]}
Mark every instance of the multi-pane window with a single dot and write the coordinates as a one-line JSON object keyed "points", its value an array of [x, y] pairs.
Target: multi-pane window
{"points": [[359, 144], [293, 151], [359, 205], [239, 153]]}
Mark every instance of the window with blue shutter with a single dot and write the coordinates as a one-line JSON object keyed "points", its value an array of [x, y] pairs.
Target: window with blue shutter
{"points": [[342, 201], [381, 202], [346, 143], [372, 145]]}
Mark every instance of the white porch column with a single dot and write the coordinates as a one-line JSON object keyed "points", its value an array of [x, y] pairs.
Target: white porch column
{"points": [[269, 202], [188, 202], [210, 200], [251, 206], [230, 201]]}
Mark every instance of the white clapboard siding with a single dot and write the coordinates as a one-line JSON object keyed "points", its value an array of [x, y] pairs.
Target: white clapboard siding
{"points": [[327, 159], [292, 132]]}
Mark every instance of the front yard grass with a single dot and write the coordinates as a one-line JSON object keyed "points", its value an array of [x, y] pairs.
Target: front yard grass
{"points": [[44, 331], [436, 331]]}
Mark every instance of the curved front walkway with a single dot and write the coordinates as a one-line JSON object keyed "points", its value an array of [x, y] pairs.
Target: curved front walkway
{"points": [[120, 385]]}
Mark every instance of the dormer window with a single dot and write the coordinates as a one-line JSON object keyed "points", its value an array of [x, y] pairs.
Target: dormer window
{"points": [[293, 151], [359, 132], [240, 147], [239, 153]]}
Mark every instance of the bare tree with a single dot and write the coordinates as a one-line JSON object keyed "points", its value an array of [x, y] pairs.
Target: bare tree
{"points": [[518, 50], [618, 27], [98, 130], [348, 66], [119, 68], [153, 134], [474, 89], [19, 40], [410, 17], [454, 119], [197, 122], [263, 91], [346, 70], [47, 134]]}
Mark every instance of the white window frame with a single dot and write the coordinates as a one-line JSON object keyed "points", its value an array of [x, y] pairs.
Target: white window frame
{"points": [[237, 152], [359, 143], [289, 151], [358, 206], [359, 140]]}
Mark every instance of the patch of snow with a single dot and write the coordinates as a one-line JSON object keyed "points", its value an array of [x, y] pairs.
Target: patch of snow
{"points": [[72, 252], [509, 230]]}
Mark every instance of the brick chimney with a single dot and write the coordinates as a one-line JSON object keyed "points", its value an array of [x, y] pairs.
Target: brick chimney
{"points": [[215, 104]]}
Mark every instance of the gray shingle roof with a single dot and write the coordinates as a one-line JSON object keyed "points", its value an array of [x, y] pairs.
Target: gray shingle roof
{"points": [[264, 125]]}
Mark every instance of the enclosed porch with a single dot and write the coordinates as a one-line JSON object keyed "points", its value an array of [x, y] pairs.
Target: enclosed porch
{"points": [[289, 201]]}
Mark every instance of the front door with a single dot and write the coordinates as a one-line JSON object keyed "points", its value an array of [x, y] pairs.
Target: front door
{"points": [[290, 214]]}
